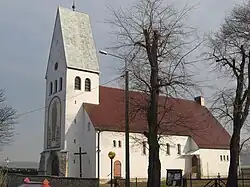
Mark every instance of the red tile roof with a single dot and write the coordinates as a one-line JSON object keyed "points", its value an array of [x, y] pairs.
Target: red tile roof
{"points": [[176, 116]]}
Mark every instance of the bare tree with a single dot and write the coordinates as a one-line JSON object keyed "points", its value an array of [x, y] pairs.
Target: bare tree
{"points": [[155, 41], [3, 177], [230, 50], [7, 120]]}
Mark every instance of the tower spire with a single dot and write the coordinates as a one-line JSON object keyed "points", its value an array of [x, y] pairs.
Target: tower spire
{"points": [[73, 6]]}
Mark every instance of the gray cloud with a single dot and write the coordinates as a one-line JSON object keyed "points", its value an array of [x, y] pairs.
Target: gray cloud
{"points": [[25, 34]]}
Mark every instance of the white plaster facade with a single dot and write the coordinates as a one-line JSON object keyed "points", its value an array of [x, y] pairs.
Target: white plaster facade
{"points": [[211, 164], [75, 56], [77, 129]]}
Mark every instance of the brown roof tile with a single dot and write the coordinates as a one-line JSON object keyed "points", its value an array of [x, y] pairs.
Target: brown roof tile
{"points": [[176, 116]]}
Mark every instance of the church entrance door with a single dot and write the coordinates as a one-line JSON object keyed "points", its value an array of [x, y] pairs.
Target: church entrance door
{"points": [[196, 166], [55, 165], [117, 169]]}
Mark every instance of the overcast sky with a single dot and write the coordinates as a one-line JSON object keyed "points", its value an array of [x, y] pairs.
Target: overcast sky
{"points": [[25, 34]]}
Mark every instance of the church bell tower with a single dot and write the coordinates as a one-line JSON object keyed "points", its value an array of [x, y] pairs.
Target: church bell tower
{"points": [[72, 78]]}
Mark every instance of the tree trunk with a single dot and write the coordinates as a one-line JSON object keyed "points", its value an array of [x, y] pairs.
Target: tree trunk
{"points": [[154, 168], [154, 165], [232, 180]]}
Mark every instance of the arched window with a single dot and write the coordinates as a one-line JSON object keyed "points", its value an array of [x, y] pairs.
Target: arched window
{"points": [[178, 149], [55, 86], [60, 83], [87, 85], [51, 88], [77, 83], [168, 149]]}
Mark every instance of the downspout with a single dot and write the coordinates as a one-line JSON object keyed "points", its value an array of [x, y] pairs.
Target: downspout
{"points": [[98, 157]]}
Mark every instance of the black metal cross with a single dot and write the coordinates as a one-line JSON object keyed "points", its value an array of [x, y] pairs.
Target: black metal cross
{"points": [[80, 153]]}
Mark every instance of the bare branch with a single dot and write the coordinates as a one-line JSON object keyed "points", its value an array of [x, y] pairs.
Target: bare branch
{"points": [[244, 142], [7, 120], [155, 40], [228, 47]]}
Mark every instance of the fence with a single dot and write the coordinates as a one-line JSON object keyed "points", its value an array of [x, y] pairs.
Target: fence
{"points": [[212, 182], [243, 181], [121, 183], [215, 182]]}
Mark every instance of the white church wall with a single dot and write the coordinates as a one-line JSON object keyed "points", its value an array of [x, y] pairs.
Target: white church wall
{"points": [[47, 154], [75, 98], [81, 134], [212, 164], [77, 120], [91, 97], [175, 160], [106, 145], [89, 142], [56, 56], [193, 145], [74, 130], [138, 160]]}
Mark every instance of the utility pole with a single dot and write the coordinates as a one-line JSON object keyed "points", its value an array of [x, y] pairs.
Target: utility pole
{"points": [[127, 182], [98, 157], [127, 158]]}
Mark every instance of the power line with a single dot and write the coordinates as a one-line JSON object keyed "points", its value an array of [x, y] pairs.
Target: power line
{"points": [[43, 107]]}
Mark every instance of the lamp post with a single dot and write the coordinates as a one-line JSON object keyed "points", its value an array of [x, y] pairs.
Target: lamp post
{"points": [[111, 156], [7, 160], [127, 162]]}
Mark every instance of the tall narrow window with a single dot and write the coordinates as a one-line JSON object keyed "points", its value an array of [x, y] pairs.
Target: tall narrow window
{"points": [[87, 85], [114, 143], [144, 147], [178, 149], [51, 88], [168, 149], [60, 83], [88, 126], [56, 66], [119, 143], [55, 86], [77, 83], [221, 158], [224, 157], [227, 158]]}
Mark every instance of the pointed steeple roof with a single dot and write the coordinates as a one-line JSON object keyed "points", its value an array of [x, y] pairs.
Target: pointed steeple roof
{"points": [[78, 42]]}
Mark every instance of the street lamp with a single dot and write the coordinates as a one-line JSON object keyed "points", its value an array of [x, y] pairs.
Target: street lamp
{"points": [[111, 156], [7, 160], [127, 182]]}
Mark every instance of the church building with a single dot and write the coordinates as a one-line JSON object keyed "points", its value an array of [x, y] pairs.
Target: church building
{"points": [[84, 121]]}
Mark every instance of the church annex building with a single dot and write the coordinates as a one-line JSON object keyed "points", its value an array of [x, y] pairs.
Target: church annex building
{"points": [[83, 114]]}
